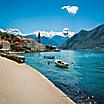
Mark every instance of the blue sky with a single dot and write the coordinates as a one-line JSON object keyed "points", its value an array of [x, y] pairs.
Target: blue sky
{"points": [[31, 15]]}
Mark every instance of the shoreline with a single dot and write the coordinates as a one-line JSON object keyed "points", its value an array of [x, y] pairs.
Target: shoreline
{"points": [[51, 84], [17, 74]]}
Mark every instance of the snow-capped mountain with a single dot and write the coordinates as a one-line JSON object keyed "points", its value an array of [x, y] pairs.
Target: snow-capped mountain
{"points": [[66, 33], [48, 38], [52, 38], [86, 40], [2, 30], [11, 31], [14, 31]]}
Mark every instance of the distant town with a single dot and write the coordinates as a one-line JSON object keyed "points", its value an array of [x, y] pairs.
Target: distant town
{"points": [[11, 42]]}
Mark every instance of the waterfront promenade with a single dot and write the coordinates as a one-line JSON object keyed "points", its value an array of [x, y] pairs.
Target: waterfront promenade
{"points": [[21, 84]]}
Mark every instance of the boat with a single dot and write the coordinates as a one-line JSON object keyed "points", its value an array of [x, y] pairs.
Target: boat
{"points": [[56, 50], [49, 57], [61, 63]]}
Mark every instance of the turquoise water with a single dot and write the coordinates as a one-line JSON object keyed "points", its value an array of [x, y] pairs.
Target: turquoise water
{"points": [[83, 81]]}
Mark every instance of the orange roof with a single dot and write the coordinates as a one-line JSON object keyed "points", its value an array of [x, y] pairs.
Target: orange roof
{"points": [[24, 38], [30, 39], [16, 42], [4, 41], [25, 41]]}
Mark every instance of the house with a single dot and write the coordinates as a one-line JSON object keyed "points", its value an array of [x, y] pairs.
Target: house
{"points": [[29, 44], [5, 44], [39, 47]]}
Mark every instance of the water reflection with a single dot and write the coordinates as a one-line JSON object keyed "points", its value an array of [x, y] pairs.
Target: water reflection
{"points": [[83, 81]]}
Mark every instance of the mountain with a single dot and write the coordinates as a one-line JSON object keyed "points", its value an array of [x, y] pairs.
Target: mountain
{"points": [[44, 40], [53, 38], [93, 39], [2, 30], [54, 41], [59, 39]]}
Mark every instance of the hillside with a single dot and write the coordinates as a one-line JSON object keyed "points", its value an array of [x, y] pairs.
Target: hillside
{"points": [[93, 39], [6, 36], [54, 41]]}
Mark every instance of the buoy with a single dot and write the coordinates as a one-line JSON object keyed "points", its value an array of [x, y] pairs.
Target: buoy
{"points": [[48, 62]]}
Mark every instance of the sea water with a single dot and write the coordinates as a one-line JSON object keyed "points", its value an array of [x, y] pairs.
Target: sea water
{"points": [[83, 80]]}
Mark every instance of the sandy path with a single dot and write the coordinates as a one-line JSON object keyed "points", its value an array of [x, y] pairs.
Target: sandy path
{"points": [[21, 84]]}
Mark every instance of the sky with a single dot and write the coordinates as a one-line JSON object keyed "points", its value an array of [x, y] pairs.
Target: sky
{"points": [[51, 15]]}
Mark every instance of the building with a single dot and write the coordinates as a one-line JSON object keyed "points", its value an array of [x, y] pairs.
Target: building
{"points": [[31, 44], [39, 47], [5, 44], [39, 37]]}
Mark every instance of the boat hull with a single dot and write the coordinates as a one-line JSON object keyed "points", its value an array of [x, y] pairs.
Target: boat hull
{"points": [[49, 57], [63, 65]]}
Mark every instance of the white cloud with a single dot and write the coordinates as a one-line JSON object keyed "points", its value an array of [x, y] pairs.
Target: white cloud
{"points": [[65, 33], [49, 34], [68, 33], [71, 9], [14, 31], [53, 33]]}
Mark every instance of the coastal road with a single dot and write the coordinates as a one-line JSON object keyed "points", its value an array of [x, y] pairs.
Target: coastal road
{"points": [[21, 84]]}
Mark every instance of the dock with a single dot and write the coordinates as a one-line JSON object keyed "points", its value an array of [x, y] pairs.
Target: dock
{"points": [[14, 57], [21, 84]]}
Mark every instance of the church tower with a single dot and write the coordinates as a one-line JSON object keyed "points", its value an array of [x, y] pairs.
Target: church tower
{"points": [[39, 37]]}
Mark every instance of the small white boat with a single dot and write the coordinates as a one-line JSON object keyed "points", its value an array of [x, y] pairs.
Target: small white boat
{"points": [[61, 63]]}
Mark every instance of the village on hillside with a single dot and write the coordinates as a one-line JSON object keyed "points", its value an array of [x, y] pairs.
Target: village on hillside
{"points": [[13, 43]]}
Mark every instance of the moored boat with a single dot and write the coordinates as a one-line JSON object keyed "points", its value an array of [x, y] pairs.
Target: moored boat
{"points": [[49, 57], [61, 63], [56, 50]]}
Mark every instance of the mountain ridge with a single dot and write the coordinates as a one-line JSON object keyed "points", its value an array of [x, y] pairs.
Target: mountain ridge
{"points": [[54, 41], [93, 39]]}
